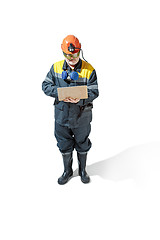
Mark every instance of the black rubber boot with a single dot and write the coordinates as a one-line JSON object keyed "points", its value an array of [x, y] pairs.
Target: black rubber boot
{"points": [[82, 157], [68, 172]]}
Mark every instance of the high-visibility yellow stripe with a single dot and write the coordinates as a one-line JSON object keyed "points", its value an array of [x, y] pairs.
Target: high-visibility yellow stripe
{"points": [[58, 67], [86, 69]]}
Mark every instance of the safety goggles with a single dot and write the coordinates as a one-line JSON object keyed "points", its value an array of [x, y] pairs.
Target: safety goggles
{"points": [[69, 56]]}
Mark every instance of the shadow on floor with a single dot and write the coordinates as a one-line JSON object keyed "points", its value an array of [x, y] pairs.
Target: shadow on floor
{"points": [[137, 163]]}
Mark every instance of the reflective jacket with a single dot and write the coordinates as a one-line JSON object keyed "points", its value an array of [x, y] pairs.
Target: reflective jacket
{"points": [[72, 114]]}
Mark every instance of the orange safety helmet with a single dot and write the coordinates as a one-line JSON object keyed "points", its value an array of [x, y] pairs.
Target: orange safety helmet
{"points": [[70, 41]]}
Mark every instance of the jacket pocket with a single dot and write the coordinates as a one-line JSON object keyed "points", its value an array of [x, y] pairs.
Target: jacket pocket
{"points": [[86, 115], [88, 107], [59, 106]]}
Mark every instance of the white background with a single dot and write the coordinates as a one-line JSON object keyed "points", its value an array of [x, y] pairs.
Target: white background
{"points": [[121, 40]]}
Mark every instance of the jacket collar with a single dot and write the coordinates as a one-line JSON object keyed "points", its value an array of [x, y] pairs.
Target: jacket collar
{"points": [[77, 67]]}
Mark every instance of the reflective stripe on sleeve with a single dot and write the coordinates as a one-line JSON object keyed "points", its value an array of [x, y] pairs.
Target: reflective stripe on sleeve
{"points": [[48, 80], [93, 87]]}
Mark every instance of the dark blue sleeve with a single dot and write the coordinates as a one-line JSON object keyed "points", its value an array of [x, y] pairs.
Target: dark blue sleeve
{"points": [[48, 85]]}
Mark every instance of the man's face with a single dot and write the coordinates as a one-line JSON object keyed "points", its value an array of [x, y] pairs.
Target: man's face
{"points": [[72, 60]]}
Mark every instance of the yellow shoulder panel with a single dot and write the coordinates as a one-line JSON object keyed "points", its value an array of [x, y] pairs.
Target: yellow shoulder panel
{"points": [[58, 66], [86, 70]]}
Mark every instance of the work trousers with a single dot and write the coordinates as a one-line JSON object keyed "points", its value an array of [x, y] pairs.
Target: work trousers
{"points": [[69, 139]]}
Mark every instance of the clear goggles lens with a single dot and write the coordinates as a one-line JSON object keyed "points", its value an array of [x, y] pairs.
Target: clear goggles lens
{"points": [[69, 56]]}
